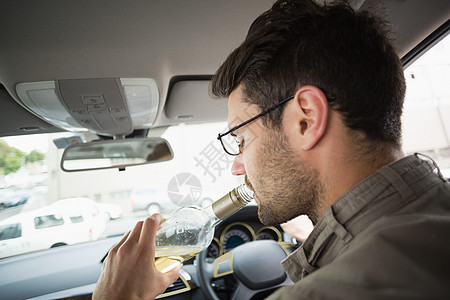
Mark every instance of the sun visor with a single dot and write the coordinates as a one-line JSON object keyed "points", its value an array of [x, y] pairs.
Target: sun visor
{"points": [[106, 106], [189, 102]]}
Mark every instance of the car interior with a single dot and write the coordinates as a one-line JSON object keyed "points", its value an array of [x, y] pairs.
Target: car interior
{"points": [[119, 93]]}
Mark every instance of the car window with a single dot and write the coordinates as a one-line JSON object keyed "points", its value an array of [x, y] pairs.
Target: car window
{"points": [[426, 122], [10, 231], [48, 221], [110, 202], [76, 219]]}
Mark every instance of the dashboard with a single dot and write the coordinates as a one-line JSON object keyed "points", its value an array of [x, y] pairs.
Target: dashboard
{"points": [[72, 271], [241, 228]]}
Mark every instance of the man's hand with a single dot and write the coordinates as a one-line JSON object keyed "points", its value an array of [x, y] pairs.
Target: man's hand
{"points": [[298, 228], [129, 270]]}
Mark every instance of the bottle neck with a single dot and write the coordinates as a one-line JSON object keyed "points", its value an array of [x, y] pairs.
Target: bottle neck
{"points": [[228, 205], [209, 211]]}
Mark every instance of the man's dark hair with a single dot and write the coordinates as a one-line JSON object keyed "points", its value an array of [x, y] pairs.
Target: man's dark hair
{"points": [[346, 53]]}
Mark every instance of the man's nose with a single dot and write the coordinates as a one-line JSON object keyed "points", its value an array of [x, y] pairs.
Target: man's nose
{"points": [[237, 168]]}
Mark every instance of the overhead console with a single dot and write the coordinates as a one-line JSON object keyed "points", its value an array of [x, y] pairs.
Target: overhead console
{"points": [[106, 106]]}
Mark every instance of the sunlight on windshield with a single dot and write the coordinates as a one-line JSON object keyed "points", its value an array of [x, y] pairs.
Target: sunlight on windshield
{"points": [[43, 207]]}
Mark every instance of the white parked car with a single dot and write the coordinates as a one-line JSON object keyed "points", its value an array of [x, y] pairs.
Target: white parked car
{"points": [[112, 211], [157, 200], [108, 210], [152, 200], [55, 225]]}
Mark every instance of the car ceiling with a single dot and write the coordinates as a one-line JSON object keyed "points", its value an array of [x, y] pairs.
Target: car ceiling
{"points": [[168, 41]]}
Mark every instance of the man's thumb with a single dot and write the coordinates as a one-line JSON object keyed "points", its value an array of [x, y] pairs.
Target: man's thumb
{"points": [[172, 275]]}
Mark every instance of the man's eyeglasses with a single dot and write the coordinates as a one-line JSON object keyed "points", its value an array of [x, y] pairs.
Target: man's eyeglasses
{"points": [[230, 143]]}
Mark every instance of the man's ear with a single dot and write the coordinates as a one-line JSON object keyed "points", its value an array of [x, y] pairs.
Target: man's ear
{"points": [[307, 117]]}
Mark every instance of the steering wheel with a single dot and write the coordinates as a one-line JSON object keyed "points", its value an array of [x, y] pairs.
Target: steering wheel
{"points": [[255, 266]]}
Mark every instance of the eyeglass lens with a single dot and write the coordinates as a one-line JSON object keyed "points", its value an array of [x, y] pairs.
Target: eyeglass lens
{"points": [[230, 144]]}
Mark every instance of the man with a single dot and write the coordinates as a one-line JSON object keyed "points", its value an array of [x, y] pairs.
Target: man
{"points": [[326, 89]]}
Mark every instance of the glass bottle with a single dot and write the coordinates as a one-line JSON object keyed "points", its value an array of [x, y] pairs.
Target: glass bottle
{"points": [[190, 229]]}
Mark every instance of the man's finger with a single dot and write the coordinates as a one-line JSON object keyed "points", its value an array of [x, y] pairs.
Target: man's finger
{"points": [[135, 233], [150, 226], [120, 243], [172, 275]]}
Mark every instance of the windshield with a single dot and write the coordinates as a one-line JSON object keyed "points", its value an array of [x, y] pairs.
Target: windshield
{"points": [[43, 207], [39, 199]]}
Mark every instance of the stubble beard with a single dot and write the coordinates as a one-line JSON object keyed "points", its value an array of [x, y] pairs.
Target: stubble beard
{"points": [[286, 187]]}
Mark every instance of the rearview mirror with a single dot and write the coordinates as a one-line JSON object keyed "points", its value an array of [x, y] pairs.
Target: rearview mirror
{"points": [[115, 154]]}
